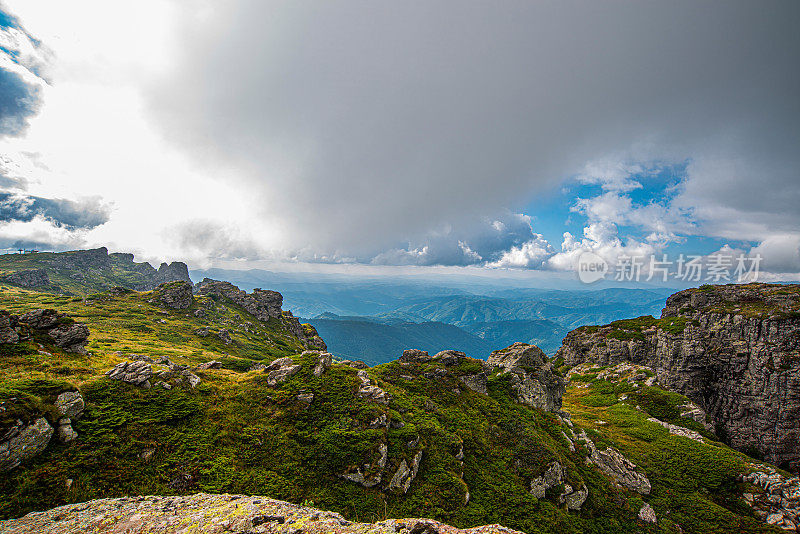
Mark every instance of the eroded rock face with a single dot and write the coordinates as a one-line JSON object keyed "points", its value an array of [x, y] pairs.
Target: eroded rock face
{"points": [[733, 350], [29, 441], [532, 376], [29, 278], [214, 514]]}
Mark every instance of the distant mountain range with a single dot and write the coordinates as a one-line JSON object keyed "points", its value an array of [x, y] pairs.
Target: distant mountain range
{"points": [[375, 319]]}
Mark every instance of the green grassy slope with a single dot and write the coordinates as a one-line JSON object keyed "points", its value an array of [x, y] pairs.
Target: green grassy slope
{"points": [[235, 433]]}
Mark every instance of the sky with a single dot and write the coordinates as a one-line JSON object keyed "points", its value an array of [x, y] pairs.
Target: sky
{"points": [[368, 135]]}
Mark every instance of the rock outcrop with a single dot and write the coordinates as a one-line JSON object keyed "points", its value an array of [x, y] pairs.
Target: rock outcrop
{"points": [[215, 514], [611, 462], [532, 375], [261, 304], [733, 350], [773, 497]]}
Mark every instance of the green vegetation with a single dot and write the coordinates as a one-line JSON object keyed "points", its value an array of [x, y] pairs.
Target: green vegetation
{"points": [[236, 433]]}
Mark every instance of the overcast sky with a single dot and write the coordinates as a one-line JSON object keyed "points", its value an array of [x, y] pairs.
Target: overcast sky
{"points": [[512, 135]]}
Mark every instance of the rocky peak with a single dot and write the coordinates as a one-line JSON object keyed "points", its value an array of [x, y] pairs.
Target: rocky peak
{"points": [[532, 376], [177, 270], [519, 356]]}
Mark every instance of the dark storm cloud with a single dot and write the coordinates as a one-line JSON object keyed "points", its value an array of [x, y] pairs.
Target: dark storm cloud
{"points": [[82, 214], [18, 102], [363, 124]]}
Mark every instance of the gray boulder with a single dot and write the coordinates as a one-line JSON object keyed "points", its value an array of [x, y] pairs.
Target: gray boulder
{"points": [[70, 404], [135, 373], [553, 476], [7, 332], [27, 443]]}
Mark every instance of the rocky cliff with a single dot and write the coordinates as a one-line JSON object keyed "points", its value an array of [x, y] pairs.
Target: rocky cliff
{"points": [[734, 350]]}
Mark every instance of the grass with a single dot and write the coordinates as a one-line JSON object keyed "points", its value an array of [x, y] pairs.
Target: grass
{"points": [[235, 433]]}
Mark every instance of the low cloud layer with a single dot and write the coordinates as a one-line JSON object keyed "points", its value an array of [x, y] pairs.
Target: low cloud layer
{"points": [[80, 214]]}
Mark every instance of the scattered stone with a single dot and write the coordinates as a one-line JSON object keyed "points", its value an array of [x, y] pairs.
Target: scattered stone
{"points": [[225, 336], [358, 364], [306, 398], [369, 391], [361, 474], [65, 432], [213, 364], [280, 370], [647, 514], [70, 404], [574, 498], [324, 362], [553, 476], [147, 454], [405, 474]]}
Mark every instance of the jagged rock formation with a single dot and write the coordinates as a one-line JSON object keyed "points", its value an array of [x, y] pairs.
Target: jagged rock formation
{"points": [[532, 376], [732, 349], [212, 514]]}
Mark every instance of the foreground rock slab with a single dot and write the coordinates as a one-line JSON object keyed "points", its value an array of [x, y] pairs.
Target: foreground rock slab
{"points": [[213, 514]]}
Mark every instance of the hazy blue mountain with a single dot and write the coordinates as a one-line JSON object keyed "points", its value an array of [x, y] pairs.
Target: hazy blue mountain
{"points": [[375, 318], [378, 342], [542, 332]]}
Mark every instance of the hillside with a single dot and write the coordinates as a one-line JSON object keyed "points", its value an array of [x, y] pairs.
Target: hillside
{"points": [[81, 272], [157, 405], [733, 349]]}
